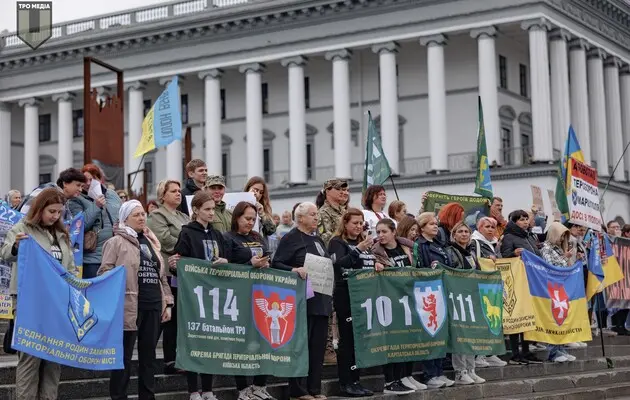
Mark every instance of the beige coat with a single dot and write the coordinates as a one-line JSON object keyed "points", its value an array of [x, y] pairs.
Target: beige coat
{"points": [[124, 249], [45, 239]]}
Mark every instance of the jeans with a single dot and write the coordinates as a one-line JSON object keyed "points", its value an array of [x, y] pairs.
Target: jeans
{"points": [[433, 368], [555, 350]]}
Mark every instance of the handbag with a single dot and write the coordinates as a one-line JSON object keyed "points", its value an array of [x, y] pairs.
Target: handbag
{"points": [[90, 238]]}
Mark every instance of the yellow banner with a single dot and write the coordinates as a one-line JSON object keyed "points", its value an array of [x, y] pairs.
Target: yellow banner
{"points": [[518, 312], [575, 328]]}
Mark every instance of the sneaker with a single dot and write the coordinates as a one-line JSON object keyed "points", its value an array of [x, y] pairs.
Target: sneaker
{"points": [[573, 345], [582, 344], [481, 362], [494, 361], [462, 378], [407, 383], [416, 384], [260, 393], [476, 377], [608, 332], [352, 390], [397, 388], [532, 359], [447, 382], [366, 392], [195, 396], [560, 358], [245, 394], [435, 383], [569, 357], [538, 347], [208, 396], [518, 360]]}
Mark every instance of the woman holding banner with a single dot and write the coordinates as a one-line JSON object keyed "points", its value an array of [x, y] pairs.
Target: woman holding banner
{"points": [[148, 298], [200, 240], [350, 249], [37, 379]]}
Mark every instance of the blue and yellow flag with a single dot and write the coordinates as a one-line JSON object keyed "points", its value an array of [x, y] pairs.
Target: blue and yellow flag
{"points": [[483, 185], [571, 150], [76, 227], [163, 123], [559, 302], [603, 266]]}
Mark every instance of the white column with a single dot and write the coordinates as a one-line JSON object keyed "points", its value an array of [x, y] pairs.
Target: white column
{"points": [[613, 116], [341, 112], [437, 102], [560, 99], [5, 147], [389, 102], [212, 112], [579, 96], [487, 59], [540, 93], [597, 109], [254, 117], [175, 150], [64, 130], [134, 127], [31, 142], [297, 120], [624, 88]]}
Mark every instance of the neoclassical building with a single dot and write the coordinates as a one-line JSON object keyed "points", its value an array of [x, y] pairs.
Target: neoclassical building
{"points": [[282, 88]]}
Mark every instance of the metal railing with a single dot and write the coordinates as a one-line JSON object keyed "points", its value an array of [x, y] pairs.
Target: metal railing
{"points": [[128, 18]]}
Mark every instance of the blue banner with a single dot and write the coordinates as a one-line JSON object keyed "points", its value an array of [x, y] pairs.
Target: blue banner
{"points": [[67, 320], [8, 218], [76, 227]]}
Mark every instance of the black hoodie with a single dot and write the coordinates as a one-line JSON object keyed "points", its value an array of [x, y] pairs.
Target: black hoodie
{"points": [[346, 256], [195, 241], [244, 247], [516, 238], [189, 190]]}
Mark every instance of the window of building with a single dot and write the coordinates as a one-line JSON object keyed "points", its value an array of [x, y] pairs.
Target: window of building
{"points": [[147, 106], [265, 98], [503, 80], [267, 164], [45, 131], [307, 93], [222, 103], [77, 123], [184, 105], [526, 146], [525, 130], [506, 145], [310, 157], [225, 164], [45, 178], [507, 115], [148, 170], [523, 80]]}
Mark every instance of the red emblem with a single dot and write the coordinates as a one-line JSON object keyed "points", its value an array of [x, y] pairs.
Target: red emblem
{"points": [[559, 302], [274, 314]]}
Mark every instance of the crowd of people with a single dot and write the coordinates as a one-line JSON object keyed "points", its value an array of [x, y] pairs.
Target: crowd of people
{"points": [[149, 241]]}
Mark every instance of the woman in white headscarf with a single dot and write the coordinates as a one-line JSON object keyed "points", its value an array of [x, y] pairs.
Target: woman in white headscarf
{"points": [[148, 298]]}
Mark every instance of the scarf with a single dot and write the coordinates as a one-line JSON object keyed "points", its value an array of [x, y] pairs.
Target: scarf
{"points": [[125, 210]]}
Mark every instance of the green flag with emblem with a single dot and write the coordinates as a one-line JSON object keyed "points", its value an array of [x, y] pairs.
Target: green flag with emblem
{"points": [[377, 169], [483, 184]]}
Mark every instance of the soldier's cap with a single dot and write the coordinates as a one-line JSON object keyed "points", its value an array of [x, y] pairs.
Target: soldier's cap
{"points": [[215, 180], [335, 184]]}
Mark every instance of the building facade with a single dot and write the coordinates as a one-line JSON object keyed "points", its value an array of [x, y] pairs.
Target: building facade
{"points": [[281, 89]]}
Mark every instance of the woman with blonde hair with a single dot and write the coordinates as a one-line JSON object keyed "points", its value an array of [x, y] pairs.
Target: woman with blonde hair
{"points": [[258, 187], [397, 210], [408, 228], [35, 378], [166, 223]]}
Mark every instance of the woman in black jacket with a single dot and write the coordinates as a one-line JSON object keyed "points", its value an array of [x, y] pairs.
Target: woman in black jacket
{"points": [[248, 247], [290, 255], [199, 240], [350, 249]]}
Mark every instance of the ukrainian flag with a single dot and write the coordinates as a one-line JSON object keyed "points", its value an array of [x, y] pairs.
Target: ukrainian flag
{"points": [[602, 272], [163, 123], [571, 150], [559, 302]]}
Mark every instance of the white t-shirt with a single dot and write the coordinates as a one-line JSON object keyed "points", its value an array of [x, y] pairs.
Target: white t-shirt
{"points": [[373, 218]]}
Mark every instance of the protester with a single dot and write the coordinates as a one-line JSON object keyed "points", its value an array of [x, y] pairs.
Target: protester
{"points": [[14, 198], [248, 247], [397, 210], [71, 183], [613, 228], [148, 299], [496, 212], [290, 256], [197, 173], [286, 224], [408, 228], [35, 378], [374, 200], [100, 216], [152, 205], [122, 194], [166, 223], [198, 239], [449, 216], [625, 231], [276, 219], [258, 187], [331, 201], [351, 250], [222, 221]]}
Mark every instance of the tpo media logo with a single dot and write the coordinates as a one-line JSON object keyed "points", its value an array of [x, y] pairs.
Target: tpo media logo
{"points": [[34, 22]]}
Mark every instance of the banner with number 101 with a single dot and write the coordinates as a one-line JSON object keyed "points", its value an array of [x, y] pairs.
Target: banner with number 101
{"points": [[237, 320]]}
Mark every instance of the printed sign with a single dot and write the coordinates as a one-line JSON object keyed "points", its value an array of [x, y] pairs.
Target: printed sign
{"points": [[34, 22], [475, 207], [8, 218], [583, 196]]}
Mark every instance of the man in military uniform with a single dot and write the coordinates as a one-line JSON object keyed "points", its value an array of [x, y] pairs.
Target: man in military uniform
{"points": [[215, 185], [335, 202]]}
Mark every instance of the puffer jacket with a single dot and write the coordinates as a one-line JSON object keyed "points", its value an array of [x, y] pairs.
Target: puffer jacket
{"points": [[517, 238], [124, 250]]}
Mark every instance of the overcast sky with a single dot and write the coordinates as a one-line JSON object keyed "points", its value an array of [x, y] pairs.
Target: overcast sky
{"points": [[68, 10]]}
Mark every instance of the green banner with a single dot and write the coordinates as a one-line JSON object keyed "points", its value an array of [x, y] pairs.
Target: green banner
{"points": [[475, 308], [474, 206], [398, 315], [237, 320]]}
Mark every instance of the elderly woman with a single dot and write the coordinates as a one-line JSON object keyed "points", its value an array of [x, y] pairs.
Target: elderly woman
{"points": [[14, 198], [37, 379], [166, 223], [290, 256], [148, 299]]}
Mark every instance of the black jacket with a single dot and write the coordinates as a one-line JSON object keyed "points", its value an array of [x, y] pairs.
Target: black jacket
{"points": [[291, 253], [346, 256], [197, 242], [430, 252], [189, 190], [465, 259], [515, 238]]}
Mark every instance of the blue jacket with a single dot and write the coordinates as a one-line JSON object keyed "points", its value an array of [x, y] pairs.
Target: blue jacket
{"points": [[97, 218]]}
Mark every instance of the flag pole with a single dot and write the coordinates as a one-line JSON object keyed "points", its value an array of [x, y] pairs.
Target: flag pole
{"points": [[613, 172], [391, 178], [136, 171]]}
